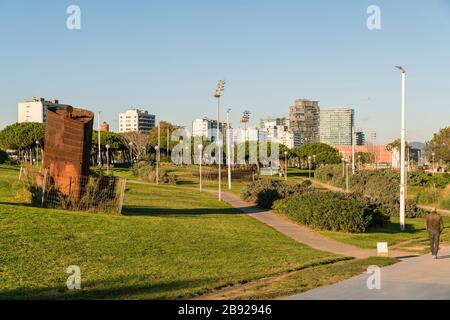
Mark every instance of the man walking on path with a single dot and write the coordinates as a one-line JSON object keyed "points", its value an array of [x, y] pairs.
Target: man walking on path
{"points": [[435, 225]]}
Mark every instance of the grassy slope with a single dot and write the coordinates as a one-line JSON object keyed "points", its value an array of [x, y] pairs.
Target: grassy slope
{"points": [[415, 234], [173, 243]]}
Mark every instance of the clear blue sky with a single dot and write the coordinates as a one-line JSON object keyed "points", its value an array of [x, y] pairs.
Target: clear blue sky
{"points": [[166, 56]]}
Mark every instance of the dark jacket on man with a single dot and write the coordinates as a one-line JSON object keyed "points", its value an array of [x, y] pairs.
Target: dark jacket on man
{"points": [[435, 226]]}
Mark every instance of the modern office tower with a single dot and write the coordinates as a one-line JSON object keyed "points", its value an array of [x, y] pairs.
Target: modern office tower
{"points": [[135, 120], [304, 121], [336, 126], [206, 128], [35, 110], [360, 137]]}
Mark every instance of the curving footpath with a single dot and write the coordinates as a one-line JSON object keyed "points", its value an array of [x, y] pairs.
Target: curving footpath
{"points": [[301, 233]]}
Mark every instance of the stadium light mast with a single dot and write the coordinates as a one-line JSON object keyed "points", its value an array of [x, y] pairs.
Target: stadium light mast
{"points": [[218, 94]]}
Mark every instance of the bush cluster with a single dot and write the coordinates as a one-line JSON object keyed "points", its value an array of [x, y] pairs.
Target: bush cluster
{"points": [[264, 192], [424, 179], [332, 211], [380, 185], [145, 171]]}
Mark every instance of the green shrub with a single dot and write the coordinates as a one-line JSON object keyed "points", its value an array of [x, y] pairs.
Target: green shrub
{"points": [[332, 211], [145, 171], [264, 192], [426, 196], [445, 202], [382, 186], [427, 179]]}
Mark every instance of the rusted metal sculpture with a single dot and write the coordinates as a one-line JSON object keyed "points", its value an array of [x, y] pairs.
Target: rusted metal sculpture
{"points": [[68, 141]]}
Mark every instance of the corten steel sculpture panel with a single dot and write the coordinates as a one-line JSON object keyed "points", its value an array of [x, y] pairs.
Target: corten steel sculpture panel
{"points": [[68, 141]]}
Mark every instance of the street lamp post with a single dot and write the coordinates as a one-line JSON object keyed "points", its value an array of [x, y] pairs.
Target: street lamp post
{"points": [[433, 154], [343, 166], [228, 149], [37, 152], [218, 94], [314, 163], [99, 142], [353, 150], [346, 176], [157, 164], [285, 165], [107, 158], [200, 148], [402, 151], [309, 167]]}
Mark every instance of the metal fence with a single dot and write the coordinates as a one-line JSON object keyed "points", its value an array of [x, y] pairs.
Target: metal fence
{"points": [[86, 193]]}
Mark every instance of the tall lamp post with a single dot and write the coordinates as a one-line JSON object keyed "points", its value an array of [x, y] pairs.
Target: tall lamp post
{"points": [[343, 167], [157, 164], [218, 94], [346, 176], [285, 166], [245, 119], [37, 152], [229, 149], [309, 167], [353, 150], [99, 141], [402, 151], [200, 148], [433, 154], [314, 163], [107, 158]]}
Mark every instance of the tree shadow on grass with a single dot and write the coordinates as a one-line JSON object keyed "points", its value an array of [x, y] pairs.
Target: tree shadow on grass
{"points": [[18, 204], [394, 228], [109, 289], [164, 212], [301, 174]]}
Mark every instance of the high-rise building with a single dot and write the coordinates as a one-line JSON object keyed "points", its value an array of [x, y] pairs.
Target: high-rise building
{"points": [[135, 120], [35, 110], [206, 128], [336, 126], [304, 118], [360, 137]]}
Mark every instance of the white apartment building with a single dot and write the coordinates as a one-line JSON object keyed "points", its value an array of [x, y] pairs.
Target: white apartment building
{"points": [[136, 120], [277, 130], [34, 110], [250, 134], [206, 128]]}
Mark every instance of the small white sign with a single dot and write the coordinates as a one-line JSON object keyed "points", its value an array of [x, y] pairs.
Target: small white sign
{"points": [[382, 248]]}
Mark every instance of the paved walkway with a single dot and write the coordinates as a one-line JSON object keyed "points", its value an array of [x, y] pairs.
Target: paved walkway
{"points": [[300, 233], [418, 278]]}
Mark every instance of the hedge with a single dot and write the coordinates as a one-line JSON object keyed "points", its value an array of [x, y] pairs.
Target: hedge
{"points": [[264, 192], [380, 185], [332, 211]]}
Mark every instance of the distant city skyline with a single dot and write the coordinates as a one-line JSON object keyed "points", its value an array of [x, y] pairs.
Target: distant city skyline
{"points": [[166, 57]]}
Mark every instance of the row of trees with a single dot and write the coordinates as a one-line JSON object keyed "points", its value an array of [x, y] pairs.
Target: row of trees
{"points": [[440, 146]]}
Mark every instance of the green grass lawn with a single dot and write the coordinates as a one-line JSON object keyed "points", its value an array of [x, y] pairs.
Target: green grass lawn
{"points": [[414, 237], [302, 280], [171, 243]]}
